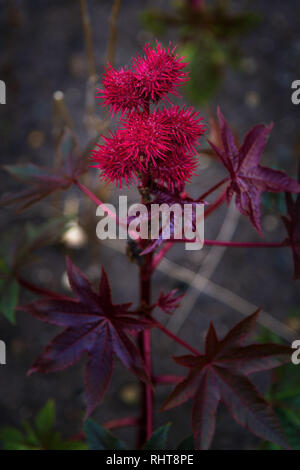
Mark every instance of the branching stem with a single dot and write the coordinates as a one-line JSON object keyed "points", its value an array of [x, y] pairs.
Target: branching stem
{"points": [[177, 339], [167, 379], [214, 188], [121, 423]]}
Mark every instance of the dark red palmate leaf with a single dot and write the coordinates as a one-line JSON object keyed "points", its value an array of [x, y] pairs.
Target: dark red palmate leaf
{"points": [[215, 137], [169, 302], [292, 224], [221, 374], [248, 179], [93, 325], [43, 181]]}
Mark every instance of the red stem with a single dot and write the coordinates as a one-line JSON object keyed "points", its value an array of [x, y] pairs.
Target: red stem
{"points": [[167, 379], [211, 190], [97, 201], [121, 423], [217, 203], [176, 338], [86, 191], [148, 389], [145, 339], [161, 254], [145, 346]]}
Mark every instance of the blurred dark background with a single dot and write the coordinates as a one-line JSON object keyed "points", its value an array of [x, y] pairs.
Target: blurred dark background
{"points": [[42, 52]]}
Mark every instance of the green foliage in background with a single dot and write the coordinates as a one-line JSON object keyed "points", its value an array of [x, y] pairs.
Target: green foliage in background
{"points": [[158, 440], [284, 395], [209, 39], [99, 438], [41, 435]]}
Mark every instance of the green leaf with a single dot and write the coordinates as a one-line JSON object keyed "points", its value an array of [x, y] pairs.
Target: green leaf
{"points": [[9, 290], [98, 438], [31, 436], [291, 428], [3, 266], [206, 70], [187, 444], [284, 393], [40, 437], [45, 419], [154, 21], [10, 438], [73, 445], [291, 431], [158, 440], [268, 336]]}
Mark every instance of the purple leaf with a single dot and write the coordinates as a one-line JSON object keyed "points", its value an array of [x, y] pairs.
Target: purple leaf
{"points": [[248, 179], [93, 325], [169, 302], [221, 374], [43, 181]]}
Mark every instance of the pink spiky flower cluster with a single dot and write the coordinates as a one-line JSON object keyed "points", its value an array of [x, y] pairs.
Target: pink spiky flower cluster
{"points": [[150, 141]]}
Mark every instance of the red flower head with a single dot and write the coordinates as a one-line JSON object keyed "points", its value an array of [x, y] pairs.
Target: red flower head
{"points": [[160, 72], [121, 90], [151, 141], [112, 159], [147, 138], [184, 125], [176, 170]]}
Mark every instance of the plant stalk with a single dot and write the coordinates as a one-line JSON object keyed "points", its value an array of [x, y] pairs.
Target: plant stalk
{"points": [[177, 339], [121, 423], [167, 379], [214, 188], [145, 347], [145, 273]]}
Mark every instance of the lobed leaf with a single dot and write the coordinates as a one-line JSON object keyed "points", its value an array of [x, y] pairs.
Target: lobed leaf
{"points": [[248, 179], [221, 374], [93, 325]]}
